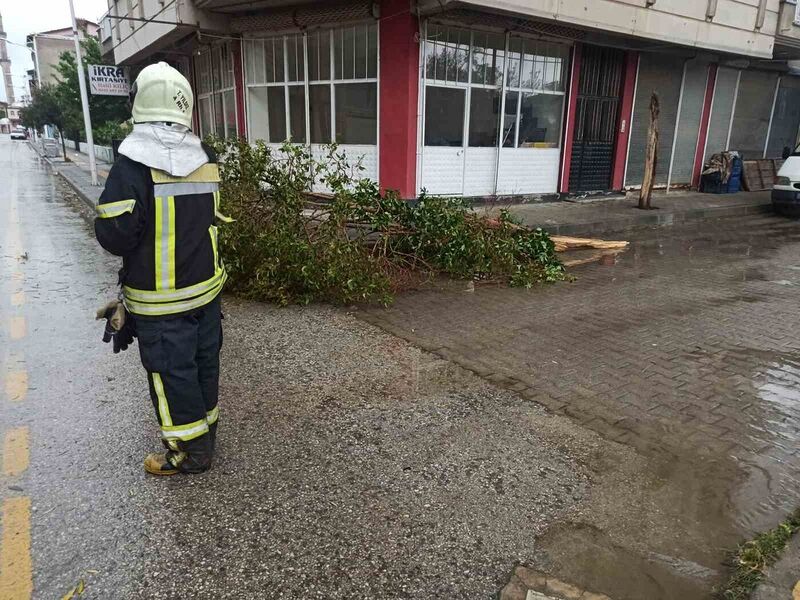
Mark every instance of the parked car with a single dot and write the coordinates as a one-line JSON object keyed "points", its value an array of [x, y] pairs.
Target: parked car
{"points": [[19, 133]]}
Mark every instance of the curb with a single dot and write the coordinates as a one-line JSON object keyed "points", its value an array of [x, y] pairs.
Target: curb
{"points": [[654, 219], [76, 188]]}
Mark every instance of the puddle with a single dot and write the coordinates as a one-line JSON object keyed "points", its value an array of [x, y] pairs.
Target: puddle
{"points": [[667, 533]]}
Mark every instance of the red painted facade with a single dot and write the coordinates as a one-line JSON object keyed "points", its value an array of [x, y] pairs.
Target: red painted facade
{"points": [[702, 135], [569, 128], [624, 120], [399, 86], [238, 77]]}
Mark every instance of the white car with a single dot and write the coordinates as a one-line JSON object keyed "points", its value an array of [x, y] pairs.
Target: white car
{"points": [[786, 191], [19, 133]]}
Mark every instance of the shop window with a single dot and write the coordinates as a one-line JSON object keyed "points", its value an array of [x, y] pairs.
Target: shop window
{"points": [[484, 112], [320, 111], [276, 110], [340, 76], [509, 131], [535, 88], [464, 68], [356, 113], [444, 116], [540, 120], [297, 113], [447, 54], [216, 98]]}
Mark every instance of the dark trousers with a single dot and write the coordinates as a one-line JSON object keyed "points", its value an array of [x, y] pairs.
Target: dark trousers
{"points": [[181, 356]]}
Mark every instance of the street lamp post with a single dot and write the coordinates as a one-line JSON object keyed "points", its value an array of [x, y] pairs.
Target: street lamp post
{"points": [[87, 119]]}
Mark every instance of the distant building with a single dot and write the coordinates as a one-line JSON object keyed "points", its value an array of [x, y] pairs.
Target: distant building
{"points": [[47, 47], [5, 66]]}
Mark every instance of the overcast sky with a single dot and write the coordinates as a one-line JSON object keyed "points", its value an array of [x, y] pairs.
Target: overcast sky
{"points": [[21, 17]]}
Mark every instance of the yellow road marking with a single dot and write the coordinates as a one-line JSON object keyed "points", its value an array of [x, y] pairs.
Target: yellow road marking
{"points": [[796, 591], [17, 275], [17, 327], [18, 299], [16, 569], [17, 385], [16, 452]]}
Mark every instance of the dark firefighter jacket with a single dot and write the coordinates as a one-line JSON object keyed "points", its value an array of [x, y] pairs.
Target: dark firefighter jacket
{"points": [[164, 229]]}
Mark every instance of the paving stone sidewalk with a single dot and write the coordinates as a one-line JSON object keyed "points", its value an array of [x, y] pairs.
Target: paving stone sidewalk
{"points": [[617, 214], [685, 348]]}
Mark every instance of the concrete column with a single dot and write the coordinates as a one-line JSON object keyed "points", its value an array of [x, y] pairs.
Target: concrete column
{"points": [[625, 116], [398, 89]]}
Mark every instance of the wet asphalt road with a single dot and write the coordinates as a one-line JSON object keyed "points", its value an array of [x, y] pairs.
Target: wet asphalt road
{"points": [[350, 464]]}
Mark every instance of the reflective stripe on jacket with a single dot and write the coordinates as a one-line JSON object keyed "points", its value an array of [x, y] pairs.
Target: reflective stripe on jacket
{"points": [[164, 228]]}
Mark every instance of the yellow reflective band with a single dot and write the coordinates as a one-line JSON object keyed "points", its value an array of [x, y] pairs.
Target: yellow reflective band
{"points": [[212, 415], [223, 218], [165, 243], [212, 230], [114, 209], [171, 308], [186, 432], [163, 405], [159, 259], [173, 295], [208, 173]]}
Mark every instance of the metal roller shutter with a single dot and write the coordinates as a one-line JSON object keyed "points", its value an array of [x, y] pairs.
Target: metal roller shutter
{"points": [[753, 109], [721, 109], [661, 74], [694, 92], [786, 119]]}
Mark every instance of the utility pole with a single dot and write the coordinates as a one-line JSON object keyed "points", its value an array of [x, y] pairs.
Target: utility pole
{"points": [[87, 119]]}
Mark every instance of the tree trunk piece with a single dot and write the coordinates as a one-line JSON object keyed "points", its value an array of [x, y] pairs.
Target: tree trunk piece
{"points": [[651, 155]]}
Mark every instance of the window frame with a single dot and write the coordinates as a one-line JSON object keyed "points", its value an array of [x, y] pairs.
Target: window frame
{"points": [[306, 81], [205, 72]]}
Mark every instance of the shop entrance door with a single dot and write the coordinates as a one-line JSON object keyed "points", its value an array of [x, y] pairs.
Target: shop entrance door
{"points": [[596, 117]]}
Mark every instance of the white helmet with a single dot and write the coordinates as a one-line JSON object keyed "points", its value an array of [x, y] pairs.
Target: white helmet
{"points": [[161, 93]]}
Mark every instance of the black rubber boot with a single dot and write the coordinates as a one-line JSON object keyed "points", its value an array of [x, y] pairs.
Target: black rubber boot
{"points": [[191, 457], [212, 433], [199, 453]]}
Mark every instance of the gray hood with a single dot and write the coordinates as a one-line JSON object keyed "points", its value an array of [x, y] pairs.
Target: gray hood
{"points": [[171, 148]]}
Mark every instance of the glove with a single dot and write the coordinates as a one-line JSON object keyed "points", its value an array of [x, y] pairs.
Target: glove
{"points": [[118, 329]]}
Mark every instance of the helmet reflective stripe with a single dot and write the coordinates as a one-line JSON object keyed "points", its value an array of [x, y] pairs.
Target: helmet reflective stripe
{"points": [[162, 94]]}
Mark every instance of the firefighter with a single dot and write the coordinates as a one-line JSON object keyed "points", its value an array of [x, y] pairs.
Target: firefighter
{"points": [[159, 212]]}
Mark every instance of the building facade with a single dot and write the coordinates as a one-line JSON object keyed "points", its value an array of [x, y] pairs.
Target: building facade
{"points": [[5, 68], [47, 47], [485, 97]]}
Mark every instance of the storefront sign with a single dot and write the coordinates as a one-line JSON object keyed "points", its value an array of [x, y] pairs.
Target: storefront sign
{"points": [[108, 80]]}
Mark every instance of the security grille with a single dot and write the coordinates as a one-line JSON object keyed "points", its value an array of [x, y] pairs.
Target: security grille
{"points": [[596, 114]]}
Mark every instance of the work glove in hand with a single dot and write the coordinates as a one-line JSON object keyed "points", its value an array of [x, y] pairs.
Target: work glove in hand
{"points": [[118, 327]]}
